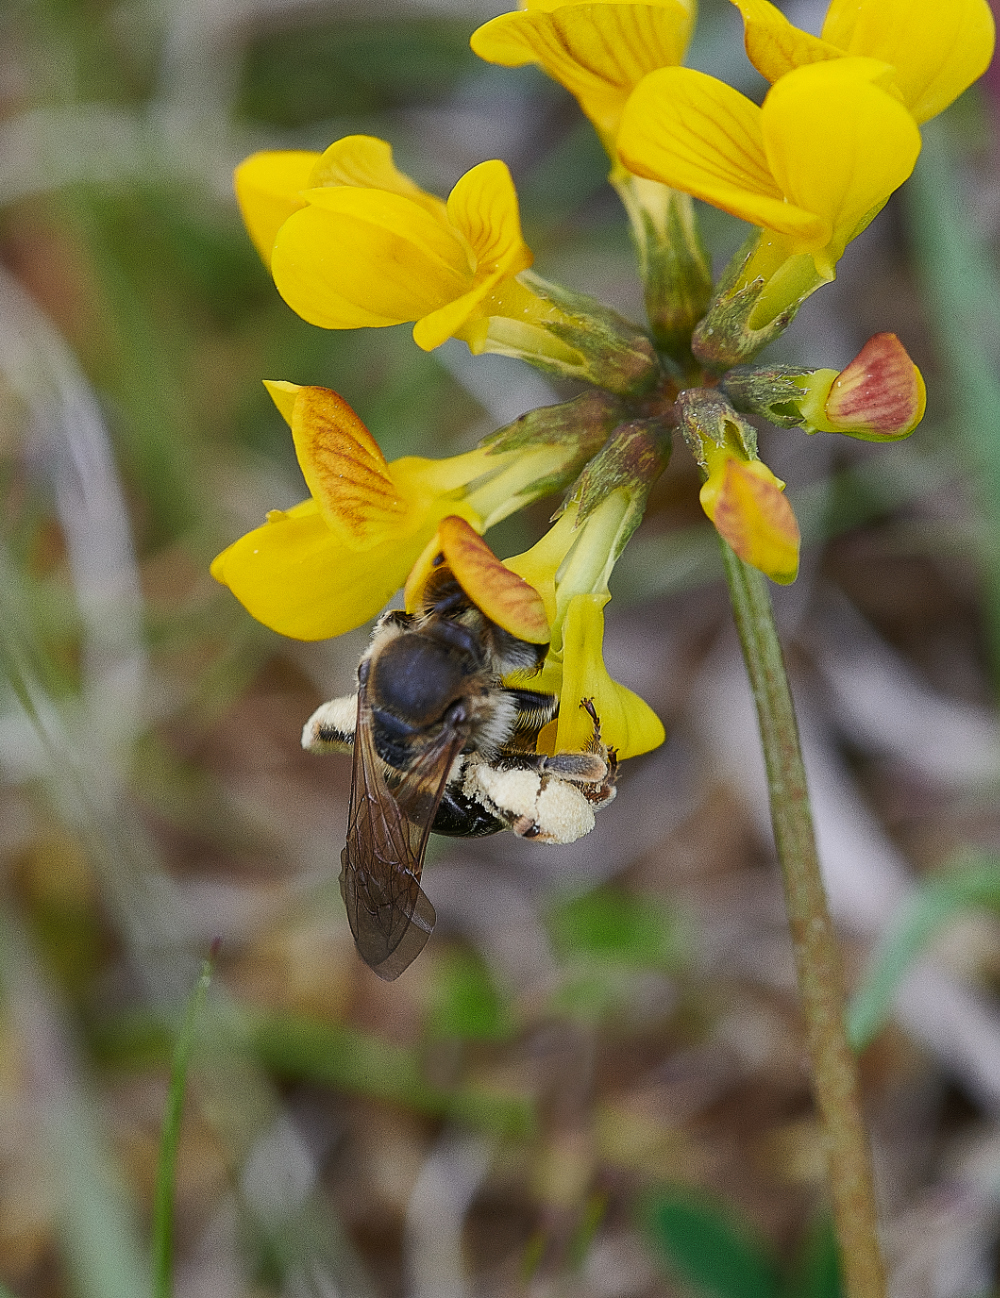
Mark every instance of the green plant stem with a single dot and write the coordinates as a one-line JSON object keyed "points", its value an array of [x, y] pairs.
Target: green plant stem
{"points": [[166, 1172], [817, 955]]}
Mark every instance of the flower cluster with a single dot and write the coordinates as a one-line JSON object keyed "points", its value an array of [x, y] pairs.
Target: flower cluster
{"points": [[353, 242]]}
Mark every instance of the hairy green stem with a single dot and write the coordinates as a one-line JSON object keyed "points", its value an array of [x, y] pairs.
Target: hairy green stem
{"points": [[817, 955]]}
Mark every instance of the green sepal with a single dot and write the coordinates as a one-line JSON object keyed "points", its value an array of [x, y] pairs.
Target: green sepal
{"points": [[772, 391], [581, 425], [633, 458], [674, 264], [706, 417], [577, 338], [729, 335]]}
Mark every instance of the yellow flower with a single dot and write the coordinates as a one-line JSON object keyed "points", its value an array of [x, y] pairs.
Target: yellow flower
{"points": [[598, 51], [936, 48], [811, 167], [569, 567], [330, 563], [353, 242], [744, 500]]}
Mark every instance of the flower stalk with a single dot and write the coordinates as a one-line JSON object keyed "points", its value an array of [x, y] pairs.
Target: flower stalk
{"points": [[817, 955]]}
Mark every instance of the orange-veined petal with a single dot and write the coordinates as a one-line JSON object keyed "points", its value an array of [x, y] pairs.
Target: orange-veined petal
{"points": [[745, 502], [504, 597], [345, 470]]}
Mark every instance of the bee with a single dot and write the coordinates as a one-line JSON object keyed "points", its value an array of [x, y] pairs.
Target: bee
{"points": [[441, 745]]}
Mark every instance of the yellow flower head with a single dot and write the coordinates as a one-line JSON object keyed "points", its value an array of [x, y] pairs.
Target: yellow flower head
{"points": [[746, 504], [936, 48], [330, 563], [569, 567], [598, 51], [353, 242], [812, 165]]}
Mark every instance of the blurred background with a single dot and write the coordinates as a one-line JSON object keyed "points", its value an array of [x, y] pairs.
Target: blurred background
{"points": [[592, 1081]]}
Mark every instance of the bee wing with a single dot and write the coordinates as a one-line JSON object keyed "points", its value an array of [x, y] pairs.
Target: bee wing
{"points": [[387, 831]]}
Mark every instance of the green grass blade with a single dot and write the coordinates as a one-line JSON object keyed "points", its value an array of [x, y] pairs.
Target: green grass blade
{"points": [[976, 884], [163, 1203]]}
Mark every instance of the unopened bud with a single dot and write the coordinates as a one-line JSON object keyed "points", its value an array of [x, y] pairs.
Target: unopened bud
{"points": [[879, 397], [741, 495]]}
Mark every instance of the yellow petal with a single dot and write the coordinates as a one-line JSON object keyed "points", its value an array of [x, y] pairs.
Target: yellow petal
{"points": [[345, 470], [483, 208], [504, 597], [936, 47], [774, 46], [697, 134], [269, 189], [293, 575], [539, 565], [837, 144], [628, 724], [749, 511], [283, 395], [599, 52], [363, 257], [365, 162]]}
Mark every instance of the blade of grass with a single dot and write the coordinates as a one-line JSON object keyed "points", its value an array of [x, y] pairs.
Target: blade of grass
{"points": [[97, 1220], [963, 296], [166, 1171]]}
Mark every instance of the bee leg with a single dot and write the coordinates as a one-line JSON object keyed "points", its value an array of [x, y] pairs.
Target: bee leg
{"points": [[331, 727], [584, 768], [533, 804]]}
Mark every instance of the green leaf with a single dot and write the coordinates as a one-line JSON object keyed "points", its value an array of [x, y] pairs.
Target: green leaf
{"points": [[817, 1270], [466, 1004], [612, 924], [971, 885], [704, 1245]]}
